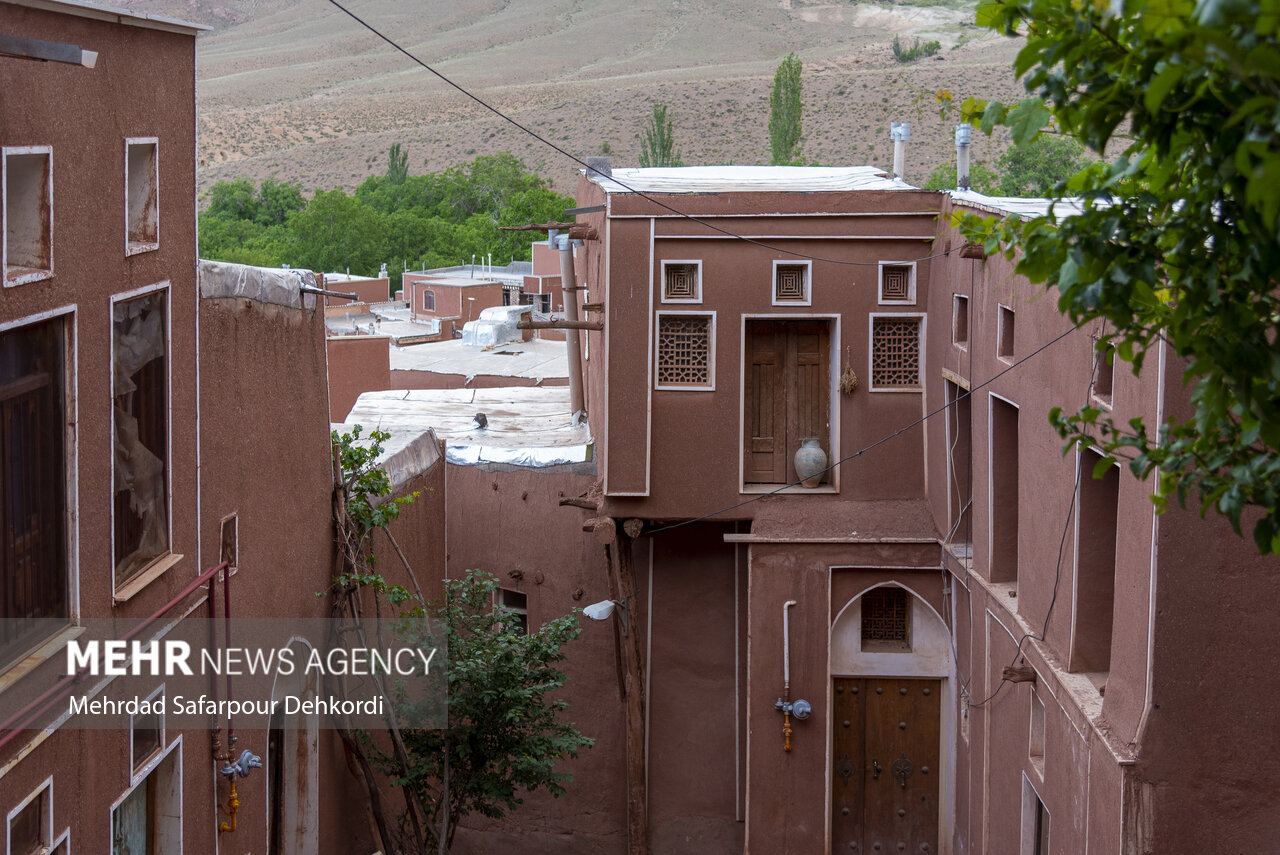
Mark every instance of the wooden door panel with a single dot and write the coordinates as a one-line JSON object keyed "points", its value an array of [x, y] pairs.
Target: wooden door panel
{"points": [[809, 388], [891, 792], [765, 442], [847, 764]]}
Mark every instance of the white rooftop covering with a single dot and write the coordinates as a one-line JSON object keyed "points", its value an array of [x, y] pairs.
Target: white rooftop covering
{"points": [[114, 15], [538, 359], [527, 426], [1022, 207], [746, 179]]}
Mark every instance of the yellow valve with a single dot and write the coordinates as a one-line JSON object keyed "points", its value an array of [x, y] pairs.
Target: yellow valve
{"points": [[786, 730], [233, 807]]}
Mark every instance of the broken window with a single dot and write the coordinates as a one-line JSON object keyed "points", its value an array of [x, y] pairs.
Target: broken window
{"points": [[33, 551], [140, 387]]}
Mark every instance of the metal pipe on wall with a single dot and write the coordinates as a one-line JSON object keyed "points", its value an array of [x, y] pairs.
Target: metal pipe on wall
{"points": [[569, 286]]}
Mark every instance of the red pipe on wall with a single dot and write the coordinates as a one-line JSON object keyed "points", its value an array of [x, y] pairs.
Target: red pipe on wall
{"points": [[23, 718]]}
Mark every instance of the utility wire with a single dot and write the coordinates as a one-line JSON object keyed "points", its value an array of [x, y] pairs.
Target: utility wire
{"points": [[623, 185], [878, 442]]}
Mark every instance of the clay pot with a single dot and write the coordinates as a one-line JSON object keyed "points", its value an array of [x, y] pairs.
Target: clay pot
{"points": [[810, 461]]}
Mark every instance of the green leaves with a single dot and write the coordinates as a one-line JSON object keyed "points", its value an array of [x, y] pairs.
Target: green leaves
{"points": [[1178, 245], [786, 113]]}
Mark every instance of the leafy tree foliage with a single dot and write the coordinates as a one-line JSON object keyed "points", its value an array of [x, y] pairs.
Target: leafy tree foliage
{"points": [[1179, 241], [423, 220], [397, 164], [505, 736], [657, 143], [1033, 168], [786, 113]]}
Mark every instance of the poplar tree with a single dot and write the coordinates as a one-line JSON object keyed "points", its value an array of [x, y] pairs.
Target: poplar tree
{"points": [[658, 144], [785, 109]]}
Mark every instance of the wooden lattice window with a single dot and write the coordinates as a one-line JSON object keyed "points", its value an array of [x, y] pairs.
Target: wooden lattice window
{"points": [[886, 619], [896, 284], [681, 282], [790, 283], [895, 353], [684, 350]]}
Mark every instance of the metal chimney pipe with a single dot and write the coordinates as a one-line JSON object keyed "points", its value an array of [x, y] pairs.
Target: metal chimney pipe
{"points": [[964, 139], [569, 284], [899, 132]]}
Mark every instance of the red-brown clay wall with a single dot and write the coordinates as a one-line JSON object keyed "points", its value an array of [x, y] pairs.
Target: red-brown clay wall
{"points": [[696, 640], [648, 430], [461, 303], [357, 363], [509, 520], [266, 458], [786, 792], [367, 291], [143, 86]]}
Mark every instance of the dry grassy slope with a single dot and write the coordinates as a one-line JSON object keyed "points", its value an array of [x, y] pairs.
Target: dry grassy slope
{"points": [[296, 89]]}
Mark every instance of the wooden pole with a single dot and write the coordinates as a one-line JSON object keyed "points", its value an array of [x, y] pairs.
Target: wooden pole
{"points": [[560, 325], [633, 654], [577, 400]]}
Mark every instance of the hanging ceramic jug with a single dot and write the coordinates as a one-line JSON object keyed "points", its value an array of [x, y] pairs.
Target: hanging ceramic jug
{"points": [[811, 462]]}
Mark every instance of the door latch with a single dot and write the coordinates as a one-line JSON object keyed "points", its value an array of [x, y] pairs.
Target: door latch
{"points": [[876, 769]]}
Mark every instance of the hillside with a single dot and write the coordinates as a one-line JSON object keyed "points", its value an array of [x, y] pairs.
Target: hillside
{"points": [[296, 89]]}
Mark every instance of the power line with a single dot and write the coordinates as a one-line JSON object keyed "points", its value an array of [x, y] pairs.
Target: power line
{"points": [[623, 185], [878, 442]]}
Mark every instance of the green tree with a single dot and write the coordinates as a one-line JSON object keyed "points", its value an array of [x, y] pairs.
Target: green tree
{"points": [[1178, 240], [234, 200], [337, 232], [397, 164], [785, 113], [657, 142], [981, 178], [277, 200], [506, 736], [1033, 168]]}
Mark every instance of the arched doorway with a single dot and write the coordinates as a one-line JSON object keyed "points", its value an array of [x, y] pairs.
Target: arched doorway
{"points": [[293, 770], [892, 711]]}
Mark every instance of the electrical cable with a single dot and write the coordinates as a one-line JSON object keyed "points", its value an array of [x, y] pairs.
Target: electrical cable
{"points": [[583, 164], [875, 444]]}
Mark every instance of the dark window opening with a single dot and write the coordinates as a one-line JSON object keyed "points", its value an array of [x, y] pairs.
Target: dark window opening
{"points": [[1003, 557], [33, 549], [1004, 335], [516, 604], [960, 320], [1095, 567]]}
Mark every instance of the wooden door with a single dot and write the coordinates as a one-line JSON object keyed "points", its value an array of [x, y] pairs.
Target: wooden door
{"points": [[787, 396], [764, 458], [884, 765]]}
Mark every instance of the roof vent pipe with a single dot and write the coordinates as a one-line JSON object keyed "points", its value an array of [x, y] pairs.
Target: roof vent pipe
{"points": [[599, 167], [899, 132], [964, 138]]}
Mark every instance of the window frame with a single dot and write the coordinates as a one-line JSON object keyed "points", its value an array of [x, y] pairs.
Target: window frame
{"points": [[428, 292], [45, 786], [662, 281], [44, 647], [1002, 326], [807, 300], [710, 385], [171, 754], [127, 587], [911, 284], [917, 389], [34, 274], [137, 764], [132, 247], [833, 321], [960, 306]]}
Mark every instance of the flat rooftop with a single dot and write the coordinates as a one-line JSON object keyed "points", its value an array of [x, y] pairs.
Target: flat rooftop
{"points": [[747, 179], [526, 426], [537, 359], [460, 281]]}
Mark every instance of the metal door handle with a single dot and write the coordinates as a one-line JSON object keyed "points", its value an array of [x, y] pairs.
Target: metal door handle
{"points": [[875, 769]]}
